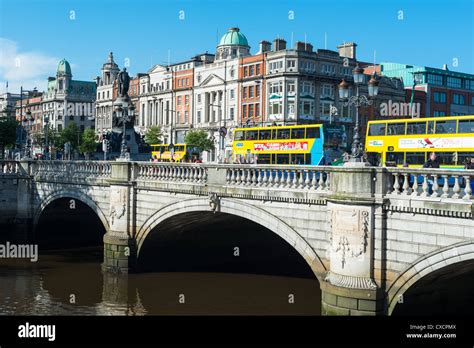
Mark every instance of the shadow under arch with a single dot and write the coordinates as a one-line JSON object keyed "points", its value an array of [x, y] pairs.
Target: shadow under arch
{"points": [[243, 210], [69, 194], [435, 261]]}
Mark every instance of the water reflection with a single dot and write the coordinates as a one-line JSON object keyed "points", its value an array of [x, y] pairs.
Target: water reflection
{"points": [[71, 282]]}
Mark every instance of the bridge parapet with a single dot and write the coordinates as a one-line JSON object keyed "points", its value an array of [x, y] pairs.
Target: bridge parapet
{"points": [[9, 167]]}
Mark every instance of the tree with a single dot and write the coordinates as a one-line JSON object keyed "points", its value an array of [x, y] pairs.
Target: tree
{"points": [[70, 134], [154, 135], [8, 128], [88, 143], [200, 139]]}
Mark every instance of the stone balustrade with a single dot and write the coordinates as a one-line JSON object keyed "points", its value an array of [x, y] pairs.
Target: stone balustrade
{"points": [[191, 173], [72, 169], [9, 167], [434, 183]]}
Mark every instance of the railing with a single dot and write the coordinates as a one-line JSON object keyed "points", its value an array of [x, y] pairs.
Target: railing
{"points": [[9, 167], [282, 177], [72, 169], [434, 183], [170, 172]]}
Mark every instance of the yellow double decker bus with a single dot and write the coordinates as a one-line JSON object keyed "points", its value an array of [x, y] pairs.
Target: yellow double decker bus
{"points": [[182, 152], [297, 145], [409, 141]]}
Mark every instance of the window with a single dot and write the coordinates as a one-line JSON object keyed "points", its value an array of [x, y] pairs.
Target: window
{"points": [[453, 82], [178, 117], [466, 126], [324, 108], [251, 89], [472, 100], [416, 128], [251, 109], [463, 156], [276, 66], [108, 95], [446, 158], [186, 117], [257, 109], [328, 69], [291, 63], [257, 90], [415, 158], [439, 97], [244, 93], [231, 112], [252, 135], [307, 88], [291, 87], [276, 108], [199, 98], [377, 129], [257, 69], [276, 87], [265, 134], [439, 113], [245, 71], [283, 134], [396, 128], [313, 133], [469, 84], [244, 111], [232, 94], [198, 117], [327, 90], [239, 135], [297, 133], [186, 98], [179, 100], [444, 127], [396, 157], [435, 79], [251, 70], [291, 107], [307, 107], [458, 99]]}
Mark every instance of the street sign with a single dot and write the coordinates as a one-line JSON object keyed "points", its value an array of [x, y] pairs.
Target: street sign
{"points": [[223, 131]]}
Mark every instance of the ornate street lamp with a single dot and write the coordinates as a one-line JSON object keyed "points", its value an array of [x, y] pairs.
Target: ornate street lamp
{"points": [[46, 131], [357, 101], [26, 121]]}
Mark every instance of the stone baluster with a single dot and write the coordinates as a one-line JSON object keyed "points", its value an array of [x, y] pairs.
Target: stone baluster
{"points": [[254, 177], [445, 187], [306, 182], [396, 185], [265, 178], [271, 178], [415, 185], [238, 177], [278, 178], [288, 178], [295, 182], [406, 184], [435, 186], [321, 181], [425, 187], [467, 189], [456, 188], [314, 182]]}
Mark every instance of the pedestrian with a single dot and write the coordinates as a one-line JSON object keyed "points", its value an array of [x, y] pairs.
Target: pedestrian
{"points": [[432, 162]]}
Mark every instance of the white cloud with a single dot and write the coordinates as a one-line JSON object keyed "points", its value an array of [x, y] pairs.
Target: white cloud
{"points": [[22, 68]]}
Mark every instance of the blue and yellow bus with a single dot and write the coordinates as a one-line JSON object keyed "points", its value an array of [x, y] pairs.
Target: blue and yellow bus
{"points": [[290, 145]]}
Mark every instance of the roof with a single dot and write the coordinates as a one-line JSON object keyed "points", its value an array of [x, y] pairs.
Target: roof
{"points": [[64, 68], [234, 37]]}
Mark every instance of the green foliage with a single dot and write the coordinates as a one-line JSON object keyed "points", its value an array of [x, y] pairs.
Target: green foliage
{"points": [[69, 134], [88, 143], [154, 135], [200, 139], [8, 128]]}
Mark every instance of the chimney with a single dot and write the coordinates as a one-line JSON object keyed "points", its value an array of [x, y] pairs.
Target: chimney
{"points": [[279, 44], [303, 46], [347, 50], [265, 46]]}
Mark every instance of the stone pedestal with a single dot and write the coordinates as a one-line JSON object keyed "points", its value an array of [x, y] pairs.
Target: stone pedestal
{"points": [[23, 231]]}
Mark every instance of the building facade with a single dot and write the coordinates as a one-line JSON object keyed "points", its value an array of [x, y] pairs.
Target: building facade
{"points": [[68, 101], [447, 92]]}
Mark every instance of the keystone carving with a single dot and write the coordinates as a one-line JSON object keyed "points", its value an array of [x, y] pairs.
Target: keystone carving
{"points": [[214, 202]]}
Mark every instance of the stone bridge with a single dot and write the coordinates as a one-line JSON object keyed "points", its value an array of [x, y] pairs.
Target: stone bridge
{"points": [[368, 234]]}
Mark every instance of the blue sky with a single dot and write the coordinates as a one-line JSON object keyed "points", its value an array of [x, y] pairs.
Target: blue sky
{"points": [[35, 34]]}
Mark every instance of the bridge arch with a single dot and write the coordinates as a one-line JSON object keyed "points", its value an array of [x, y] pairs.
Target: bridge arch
{"points": [[426, 265], [244, 210], [74, 194]]}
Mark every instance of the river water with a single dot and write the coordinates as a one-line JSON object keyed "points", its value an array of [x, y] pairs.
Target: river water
{"points": [[69, 282]]}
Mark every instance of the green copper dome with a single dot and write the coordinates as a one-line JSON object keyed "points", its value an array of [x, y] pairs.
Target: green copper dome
{"points": [[64, 68], [234, 37]]}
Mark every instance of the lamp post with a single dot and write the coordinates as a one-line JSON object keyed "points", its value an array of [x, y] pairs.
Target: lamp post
{"points": [[357, 101], [46, 131], [26, 121], [222, 133], [171, 145]]}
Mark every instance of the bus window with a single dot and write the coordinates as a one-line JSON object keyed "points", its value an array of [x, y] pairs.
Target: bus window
{"points": [[431, 127], [313, 133], [396, 128], [297, 159], [466, 126], [265, 134], [395, 157], [239, 135], [263, 159], [377, 129], [444, 127], [416, 128], [283, 134], [464, 156], [251, 135], [416, 158], [297, 133], [308, 159], [282, 159], [446, 158]]}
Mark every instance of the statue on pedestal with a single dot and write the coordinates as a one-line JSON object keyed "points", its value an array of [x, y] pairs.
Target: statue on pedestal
{"points": [[123, 83]]}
